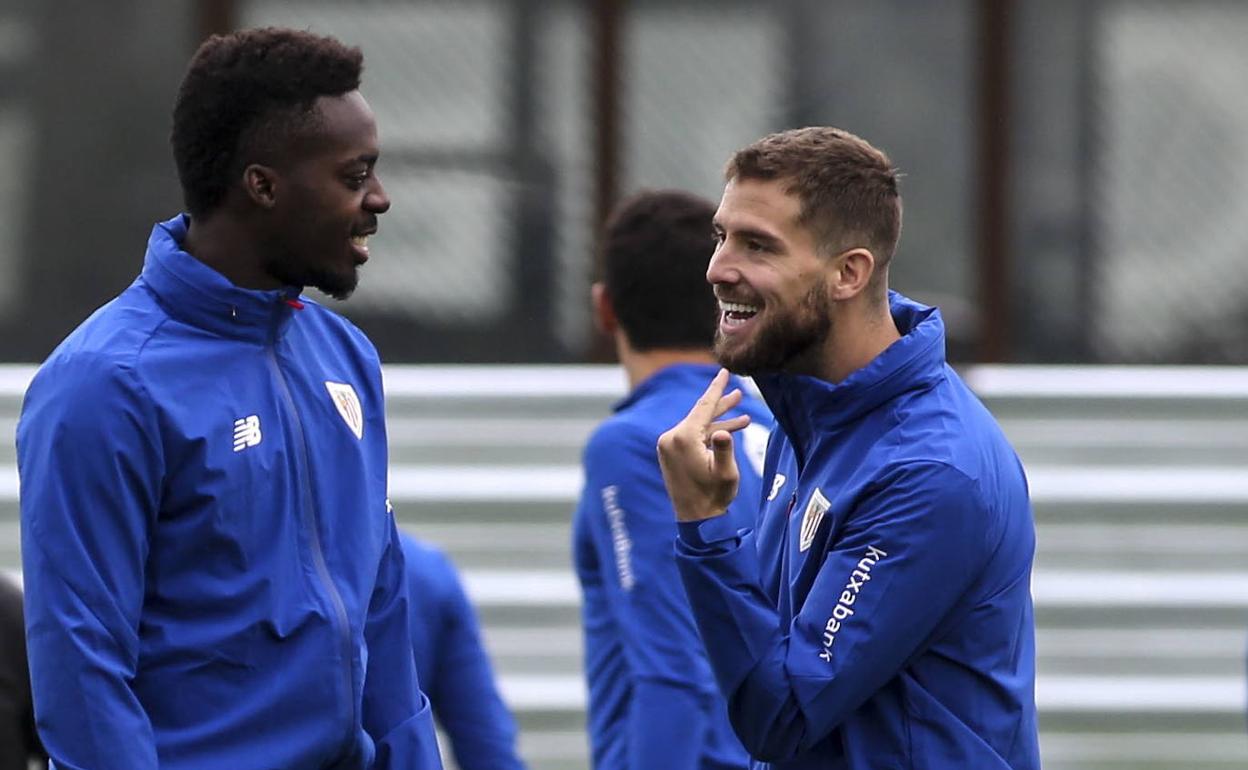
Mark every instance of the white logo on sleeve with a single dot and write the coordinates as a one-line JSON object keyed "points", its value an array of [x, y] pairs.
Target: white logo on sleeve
{"points": [[776, 483], [844, 608], [246, 432], [811, 519], [754, 438], [620, 541], [348, 404]]}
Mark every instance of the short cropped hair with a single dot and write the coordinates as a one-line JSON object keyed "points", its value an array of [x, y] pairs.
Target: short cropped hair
{"points": [[244, 96], [847, 188], [656, 248]]}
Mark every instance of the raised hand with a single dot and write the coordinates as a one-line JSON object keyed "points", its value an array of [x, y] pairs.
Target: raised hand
{"points": [[696, 455]]}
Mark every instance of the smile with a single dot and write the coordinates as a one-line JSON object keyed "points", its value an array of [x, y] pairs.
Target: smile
{"points": [[736, 314], [360, 244]]}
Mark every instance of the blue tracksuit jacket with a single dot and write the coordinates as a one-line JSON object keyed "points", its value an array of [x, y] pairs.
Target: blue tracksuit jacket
{"points": [[452, 665], [213, 579], [652, 697], [879, 615]]}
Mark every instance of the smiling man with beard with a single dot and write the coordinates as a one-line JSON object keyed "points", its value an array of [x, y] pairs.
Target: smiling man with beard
{"points": [[879, 614], [213, 577]]}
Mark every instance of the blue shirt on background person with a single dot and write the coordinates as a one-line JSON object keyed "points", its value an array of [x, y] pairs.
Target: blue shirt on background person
{"points": [[452, 665], [652, 695], [653, 702]]}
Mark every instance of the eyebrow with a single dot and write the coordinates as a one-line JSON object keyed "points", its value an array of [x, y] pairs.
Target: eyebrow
{"points": [[750, 232], [368, 159]]}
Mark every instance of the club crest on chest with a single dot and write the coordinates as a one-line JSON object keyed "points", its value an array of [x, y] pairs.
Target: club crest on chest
{"points": [[348, 404], [811, 519]]}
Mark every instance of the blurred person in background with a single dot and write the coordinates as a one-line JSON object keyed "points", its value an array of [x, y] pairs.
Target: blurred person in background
{"points": [[452, 664], [213, 577], [880, 615], [653, 702], [19, 743]]}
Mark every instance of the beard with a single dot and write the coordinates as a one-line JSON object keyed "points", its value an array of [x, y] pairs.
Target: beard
{"points": [[337, 284], [784, 341]]}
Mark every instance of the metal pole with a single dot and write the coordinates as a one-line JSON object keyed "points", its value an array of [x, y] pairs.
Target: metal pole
{"points": [[993, 21], [606, 65], [533, 298], [1089, 253]]}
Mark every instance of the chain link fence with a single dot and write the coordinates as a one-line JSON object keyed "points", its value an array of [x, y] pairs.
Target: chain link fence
{"points": [[1171, 176]]}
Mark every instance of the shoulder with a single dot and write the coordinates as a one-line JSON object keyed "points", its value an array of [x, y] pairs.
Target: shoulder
{"points": [[112, 338], [622, 438], [931, 502], [925, 477], [427, 565], [80, 378], [943, 424], [338, 327], [336, 339]]}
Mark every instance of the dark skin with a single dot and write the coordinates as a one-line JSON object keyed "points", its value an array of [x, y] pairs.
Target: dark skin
{"points": [[301, 219]]}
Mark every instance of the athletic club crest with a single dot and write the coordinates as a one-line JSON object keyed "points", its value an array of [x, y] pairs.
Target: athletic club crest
{"points": [[815, 510], [348, 404]]}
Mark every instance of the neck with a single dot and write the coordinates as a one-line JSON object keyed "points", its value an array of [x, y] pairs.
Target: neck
{"points": [[640, 365], [861, 330], [223, 243]]}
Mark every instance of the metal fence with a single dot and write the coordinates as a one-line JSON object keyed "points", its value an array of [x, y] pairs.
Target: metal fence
{"points": [[1111, 129], [1171, 177]]}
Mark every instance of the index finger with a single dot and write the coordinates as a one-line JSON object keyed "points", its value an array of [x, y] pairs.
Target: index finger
{"points": [[703, 411]]}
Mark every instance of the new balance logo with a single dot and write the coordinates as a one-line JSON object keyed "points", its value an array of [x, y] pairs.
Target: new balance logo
{"points": [[246, 432]]}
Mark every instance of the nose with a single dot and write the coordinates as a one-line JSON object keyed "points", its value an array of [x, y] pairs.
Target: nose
{"points": [[376, 201], [721, 268]]}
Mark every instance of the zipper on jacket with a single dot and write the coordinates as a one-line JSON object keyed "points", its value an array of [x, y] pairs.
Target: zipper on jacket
{"points": [[311, 522]]}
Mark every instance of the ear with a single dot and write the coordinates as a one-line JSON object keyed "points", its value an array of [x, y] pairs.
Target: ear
{"points": [[604, 312], [261, 183], [852, 271]]}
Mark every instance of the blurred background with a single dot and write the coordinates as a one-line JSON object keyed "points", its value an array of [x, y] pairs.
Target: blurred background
{"points": [[1076, 187], [1076, 170]]}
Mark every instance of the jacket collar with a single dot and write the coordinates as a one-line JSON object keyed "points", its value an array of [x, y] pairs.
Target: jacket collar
{"points": [[808, 408], [694, 377], [197, 295]]}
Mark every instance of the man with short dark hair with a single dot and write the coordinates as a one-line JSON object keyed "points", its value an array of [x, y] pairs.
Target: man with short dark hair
{"points": [[880, 613], [652, 699], [213, 577]]}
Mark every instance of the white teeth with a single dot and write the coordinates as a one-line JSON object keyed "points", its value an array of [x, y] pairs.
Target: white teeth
{"points": [[360, 240], [737, 307]]}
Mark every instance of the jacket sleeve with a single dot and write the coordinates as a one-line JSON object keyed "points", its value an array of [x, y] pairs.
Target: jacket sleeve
{"points": [[466, 701], [396, 714], [91, 467], [633, 527], [912, 546]]}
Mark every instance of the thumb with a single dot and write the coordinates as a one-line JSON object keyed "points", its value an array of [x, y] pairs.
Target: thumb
{"points": [[723, 460]]}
